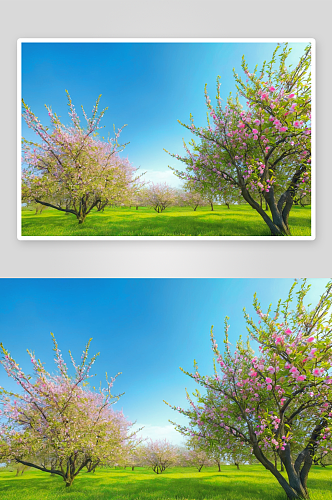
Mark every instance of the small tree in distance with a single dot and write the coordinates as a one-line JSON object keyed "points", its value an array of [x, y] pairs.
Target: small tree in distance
{"points": [[159, 455], [193, 199], [57, 424], [261, 400], [159, 196], [197, 454]]}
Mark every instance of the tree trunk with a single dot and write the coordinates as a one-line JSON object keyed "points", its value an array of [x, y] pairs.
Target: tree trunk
{"points": [[68, 203], [69, 481], [132, 467], [219, 469], [82, 210], [227, 205], [237, 465], [211, 204], [279, 223], [136, 207], [295, 488]]}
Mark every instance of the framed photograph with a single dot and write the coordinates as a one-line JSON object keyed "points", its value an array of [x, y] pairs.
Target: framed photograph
{"points": [[166, 139]]}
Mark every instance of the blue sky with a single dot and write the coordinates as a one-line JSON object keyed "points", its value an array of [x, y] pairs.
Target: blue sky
{"points": [[148, 86], [144, 328]]}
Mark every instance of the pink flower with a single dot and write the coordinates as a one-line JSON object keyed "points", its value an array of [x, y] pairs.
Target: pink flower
{"points": [[269, 387], [268, 380], [316, 372], [271, 89], [255, 137], [310, 339], [288, 331], [254, 131], [271, 369], [291, 96], [301, 378]]}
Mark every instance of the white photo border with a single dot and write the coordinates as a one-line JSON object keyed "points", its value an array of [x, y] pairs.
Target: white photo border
{"points": [[312, 41]]}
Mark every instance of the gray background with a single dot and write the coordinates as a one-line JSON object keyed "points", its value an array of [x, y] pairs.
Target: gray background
{"points": [[180, 19]]}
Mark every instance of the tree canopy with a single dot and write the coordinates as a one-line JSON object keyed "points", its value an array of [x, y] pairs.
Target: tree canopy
{"points": [[263, 149]]}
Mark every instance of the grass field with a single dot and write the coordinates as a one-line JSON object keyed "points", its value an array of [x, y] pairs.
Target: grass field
{"points": [[251, 482], [239, 220]]}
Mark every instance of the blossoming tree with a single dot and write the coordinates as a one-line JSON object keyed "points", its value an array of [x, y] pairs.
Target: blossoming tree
{"points": [[196, 455], [71, 169], [159, 196], [278, 399], [159, 455], [57, 424], [264, 149], [193, 199]]}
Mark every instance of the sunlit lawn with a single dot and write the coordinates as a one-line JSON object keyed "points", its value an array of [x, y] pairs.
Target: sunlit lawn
{"points": [[175, 221], [249, 483]]}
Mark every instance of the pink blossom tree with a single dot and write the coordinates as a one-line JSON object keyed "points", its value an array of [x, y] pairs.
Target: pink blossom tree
{"points": [[57, 424], [136, 455], [260, 400], [159, 455], [194, 199], [197, 454], [263, 149], [159, 196], [71, 169]]}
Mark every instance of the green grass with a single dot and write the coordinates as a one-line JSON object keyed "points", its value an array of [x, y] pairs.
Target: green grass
{"points": [[239, 220], [251, 482]]}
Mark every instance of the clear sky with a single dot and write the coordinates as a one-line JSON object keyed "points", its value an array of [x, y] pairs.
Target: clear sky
{"points": [[148, 86], [144, 328]]}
